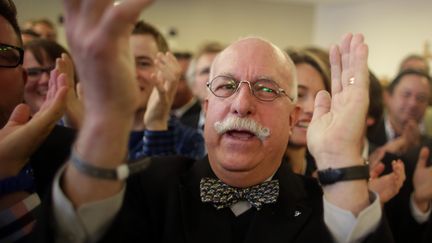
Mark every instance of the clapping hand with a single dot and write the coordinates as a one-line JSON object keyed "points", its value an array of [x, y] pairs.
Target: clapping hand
{"points": [[21, 136]]}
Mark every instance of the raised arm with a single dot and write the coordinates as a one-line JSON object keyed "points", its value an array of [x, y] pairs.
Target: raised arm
{"points": [[335, 134], [98, 35]]}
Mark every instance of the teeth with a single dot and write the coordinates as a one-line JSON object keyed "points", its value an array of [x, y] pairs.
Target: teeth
{"points": [[241, 134], [42, 92], [303, 124]]}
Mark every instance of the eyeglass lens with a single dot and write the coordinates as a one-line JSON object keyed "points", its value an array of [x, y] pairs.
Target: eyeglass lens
{"points": [[9, 56], [263, 89]]}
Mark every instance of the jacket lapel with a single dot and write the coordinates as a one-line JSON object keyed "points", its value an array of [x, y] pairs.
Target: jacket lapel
{"points": [[284, 220], [201, 221]]}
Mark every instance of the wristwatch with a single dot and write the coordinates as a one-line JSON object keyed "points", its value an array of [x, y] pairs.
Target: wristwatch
{"points": [[120, 173], [331, 176]]}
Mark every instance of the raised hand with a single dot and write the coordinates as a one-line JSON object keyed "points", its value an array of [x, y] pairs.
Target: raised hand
{"points": [[20, 137], [74, 108], [166, 78], [98, 34], [422, 181], [335, 134]]}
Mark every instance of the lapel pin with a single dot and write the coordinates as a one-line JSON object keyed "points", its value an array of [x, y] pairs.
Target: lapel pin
{"points": [[297, 213]]}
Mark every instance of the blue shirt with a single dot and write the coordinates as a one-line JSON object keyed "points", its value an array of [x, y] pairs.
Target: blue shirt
{"points": [[179, 139]]}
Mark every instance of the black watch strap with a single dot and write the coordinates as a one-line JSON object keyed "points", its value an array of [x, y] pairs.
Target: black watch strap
{"points": [[330, 175]]}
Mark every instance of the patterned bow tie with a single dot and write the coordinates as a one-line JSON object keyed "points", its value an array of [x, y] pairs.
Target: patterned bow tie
{"points": [[222, 195]]}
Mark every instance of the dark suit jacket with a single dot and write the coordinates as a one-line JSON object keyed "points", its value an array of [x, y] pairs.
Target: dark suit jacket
{"points": [[191, 116], [377, 135], [52, 153], [404, 227], [163, 204]]}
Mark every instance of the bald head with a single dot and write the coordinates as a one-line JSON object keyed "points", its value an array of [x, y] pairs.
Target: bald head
{"points": [[258, 54]]}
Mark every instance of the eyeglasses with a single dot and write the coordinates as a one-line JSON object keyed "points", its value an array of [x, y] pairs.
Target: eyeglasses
{"points": [[264, 89], [36, 72], [10, 56]]}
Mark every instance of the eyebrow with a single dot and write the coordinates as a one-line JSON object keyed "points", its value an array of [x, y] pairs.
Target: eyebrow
{"points": [[204, 70], [257, 78], [142, 58]]}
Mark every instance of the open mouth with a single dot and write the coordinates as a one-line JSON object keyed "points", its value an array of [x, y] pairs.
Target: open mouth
{"points": [[42, 92], [240, 134], [303, 124]]}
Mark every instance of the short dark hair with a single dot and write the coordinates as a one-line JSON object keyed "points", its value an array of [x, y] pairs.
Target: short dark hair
{"points": [[415, 57], [144, 28], [397, 79], [40, 47], [301, 56], [210, 47], [9, 12], [30, 32], [44, 21]]}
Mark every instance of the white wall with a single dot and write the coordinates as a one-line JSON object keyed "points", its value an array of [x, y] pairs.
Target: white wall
{"points": [[393, 29], [198, 20]]}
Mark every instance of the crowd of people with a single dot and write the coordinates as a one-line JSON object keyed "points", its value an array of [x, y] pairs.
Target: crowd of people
{"points": [[118, 139]]}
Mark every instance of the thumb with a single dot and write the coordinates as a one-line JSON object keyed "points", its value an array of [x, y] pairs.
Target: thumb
{"points": [[20, 115], [377, 170], [322, 104], [423, 156]]}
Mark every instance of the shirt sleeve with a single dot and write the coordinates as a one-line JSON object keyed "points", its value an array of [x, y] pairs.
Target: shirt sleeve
{"points": [[86, 224], [346, 228], [417, 214], [16, 222]]}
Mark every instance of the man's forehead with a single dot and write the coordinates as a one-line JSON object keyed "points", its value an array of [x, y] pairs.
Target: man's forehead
{"points": [[255, 57]]}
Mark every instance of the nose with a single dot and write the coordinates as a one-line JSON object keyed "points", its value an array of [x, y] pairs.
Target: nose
{"points": [[412, 101], [44, 78], [243, 103], [308, 105]]}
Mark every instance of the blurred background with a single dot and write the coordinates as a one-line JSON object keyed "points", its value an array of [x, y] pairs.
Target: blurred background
{"points": [[393, 28]]}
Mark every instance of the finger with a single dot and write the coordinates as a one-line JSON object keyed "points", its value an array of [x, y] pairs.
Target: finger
{"points": [[399, 168], [345, 48], [71, 8], [158, 81], [20, 115], [93, 10], [52, 82], [423, 157], [53, 110], [377, 171], [69, 70], [336, 70], [355, 42], [361, 71], [322, 104], [119, 19]]}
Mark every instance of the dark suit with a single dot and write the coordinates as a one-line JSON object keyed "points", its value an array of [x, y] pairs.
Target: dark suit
{"points": [[191, 116], [404, 227], [162, 204], [52, 153], [377, 134]]}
